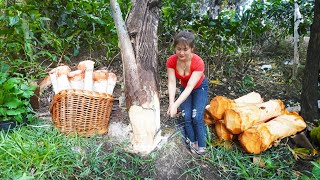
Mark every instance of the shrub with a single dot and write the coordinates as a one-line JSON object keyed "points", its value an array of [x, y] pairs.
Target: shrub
{"points": [[15, 93]]}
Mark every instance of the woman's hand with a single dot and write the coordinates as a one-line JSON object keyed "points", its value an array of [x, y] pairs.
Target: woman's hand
{"points": [[172, 110]]}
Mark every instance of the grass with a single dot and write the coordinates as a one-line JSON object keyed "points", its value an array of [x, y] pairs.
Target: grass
{"points": [[275, 163], [39, 151]]}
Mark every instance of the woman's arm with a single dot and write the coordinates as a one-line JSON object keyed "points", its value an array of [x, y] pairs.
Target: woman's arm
{"points": [[171, 85], [195, 77]]}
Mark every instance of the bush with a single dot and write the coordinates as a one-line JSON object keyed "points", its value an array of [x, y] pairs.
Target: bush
{"points": [[15, 93]]}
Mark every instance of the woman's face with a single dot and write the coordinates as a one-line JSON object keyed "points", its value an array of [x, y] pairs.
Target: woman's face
{"points": [[183, 51]]}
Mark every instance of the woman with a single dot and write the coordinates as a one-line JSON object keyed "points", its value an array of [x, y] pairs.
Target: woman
{"points": [[189, 69]]}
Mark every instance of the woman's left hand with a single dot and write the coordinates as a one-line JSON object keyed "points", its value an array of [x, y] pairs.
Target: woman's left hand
{"points": [[172, 110]]}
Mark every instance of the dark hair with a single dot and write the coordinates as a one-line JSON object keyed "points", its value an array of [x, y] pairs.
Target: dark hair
{"points": [[184, 37]]}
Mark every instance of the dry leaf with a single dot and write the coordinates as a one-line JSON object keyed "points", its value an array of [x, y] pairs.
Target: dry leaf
{"points": [[215, 82], [259, 161]]}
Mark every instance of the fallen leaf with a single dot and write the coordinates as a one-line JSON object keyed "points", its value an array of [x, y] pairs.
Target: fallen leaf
{"points": [[259, 161], [215, 82]]}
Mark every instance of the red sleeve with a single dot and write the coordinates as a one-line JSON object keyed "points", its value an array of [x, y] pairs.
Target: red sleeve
{"points": [[199, 64], [171, 62]]}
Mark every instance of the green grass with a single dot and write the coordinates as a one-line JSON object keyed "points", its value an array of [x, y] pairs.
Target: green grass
{"points": [[42, 152], [39, 151], [236, 164]]}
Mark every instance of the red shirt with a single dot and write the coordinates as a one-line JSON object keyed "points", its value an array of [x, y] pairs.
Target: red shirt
{"points": [[197, 64]]}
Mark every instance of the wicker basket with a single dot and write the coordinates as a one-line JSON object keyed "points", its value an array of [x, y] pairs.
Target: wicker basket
{"points": [[82, 112]]}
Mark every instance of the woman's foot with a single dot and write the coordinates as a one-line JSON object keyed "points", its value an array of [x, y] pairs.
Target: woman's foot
{"points": [[193, 148], [202, 151]]}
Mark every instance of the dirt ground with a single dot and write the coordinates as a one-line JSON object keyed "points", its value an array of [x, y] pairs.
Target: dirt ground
{"points": [[175, 158]]}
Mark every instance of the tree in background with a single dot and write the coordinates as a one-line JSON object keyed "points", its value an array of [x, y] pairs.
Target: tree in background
{"points": [[297, 19], [309, 94]]}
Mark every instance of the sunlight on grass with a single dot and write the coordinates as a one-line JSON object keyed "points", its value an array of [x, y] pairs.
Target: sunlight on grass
{"points": [[42, 152], [36, 151]]}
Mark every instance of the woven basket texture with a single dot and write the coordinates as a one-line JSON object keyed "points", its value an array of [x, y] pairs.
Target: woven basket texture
{"points": [[81, 112]]}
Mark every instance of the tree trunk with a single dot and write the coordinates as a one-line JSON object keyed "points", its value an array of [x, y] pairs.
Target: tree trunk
{"points": [[204, 6], [139, 56], [309, 94], [297, 17], [215, 8]]}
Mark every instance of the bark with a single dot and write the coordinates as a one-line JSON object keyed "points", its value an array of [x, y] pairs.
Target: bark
{"points": [[309, 94], [212, 8], [138, 44], [297, 18], [204, 6], [215, 8], [142, 27]]}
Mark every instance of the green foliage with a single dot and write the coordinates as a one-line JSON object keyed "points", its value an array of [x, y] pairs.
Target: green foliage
{"points": [[38, 33], [314, 174], [15, 93], [247, 85], [19, 26], [82, 24], [232, 34], [316, 170], [315, 135]]}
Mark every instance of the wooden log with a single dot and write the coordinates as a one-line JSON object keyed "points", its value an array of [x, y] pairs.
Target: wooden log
{"points": [[219, 104], [222, 132], [238, 119], [251, 98], [260, 137], [208, 118], [217, 125]]}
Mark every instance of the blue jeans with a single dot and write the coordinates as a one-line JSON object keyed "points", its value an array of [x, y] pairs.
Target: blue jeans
{"points": [[193, 111]]}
